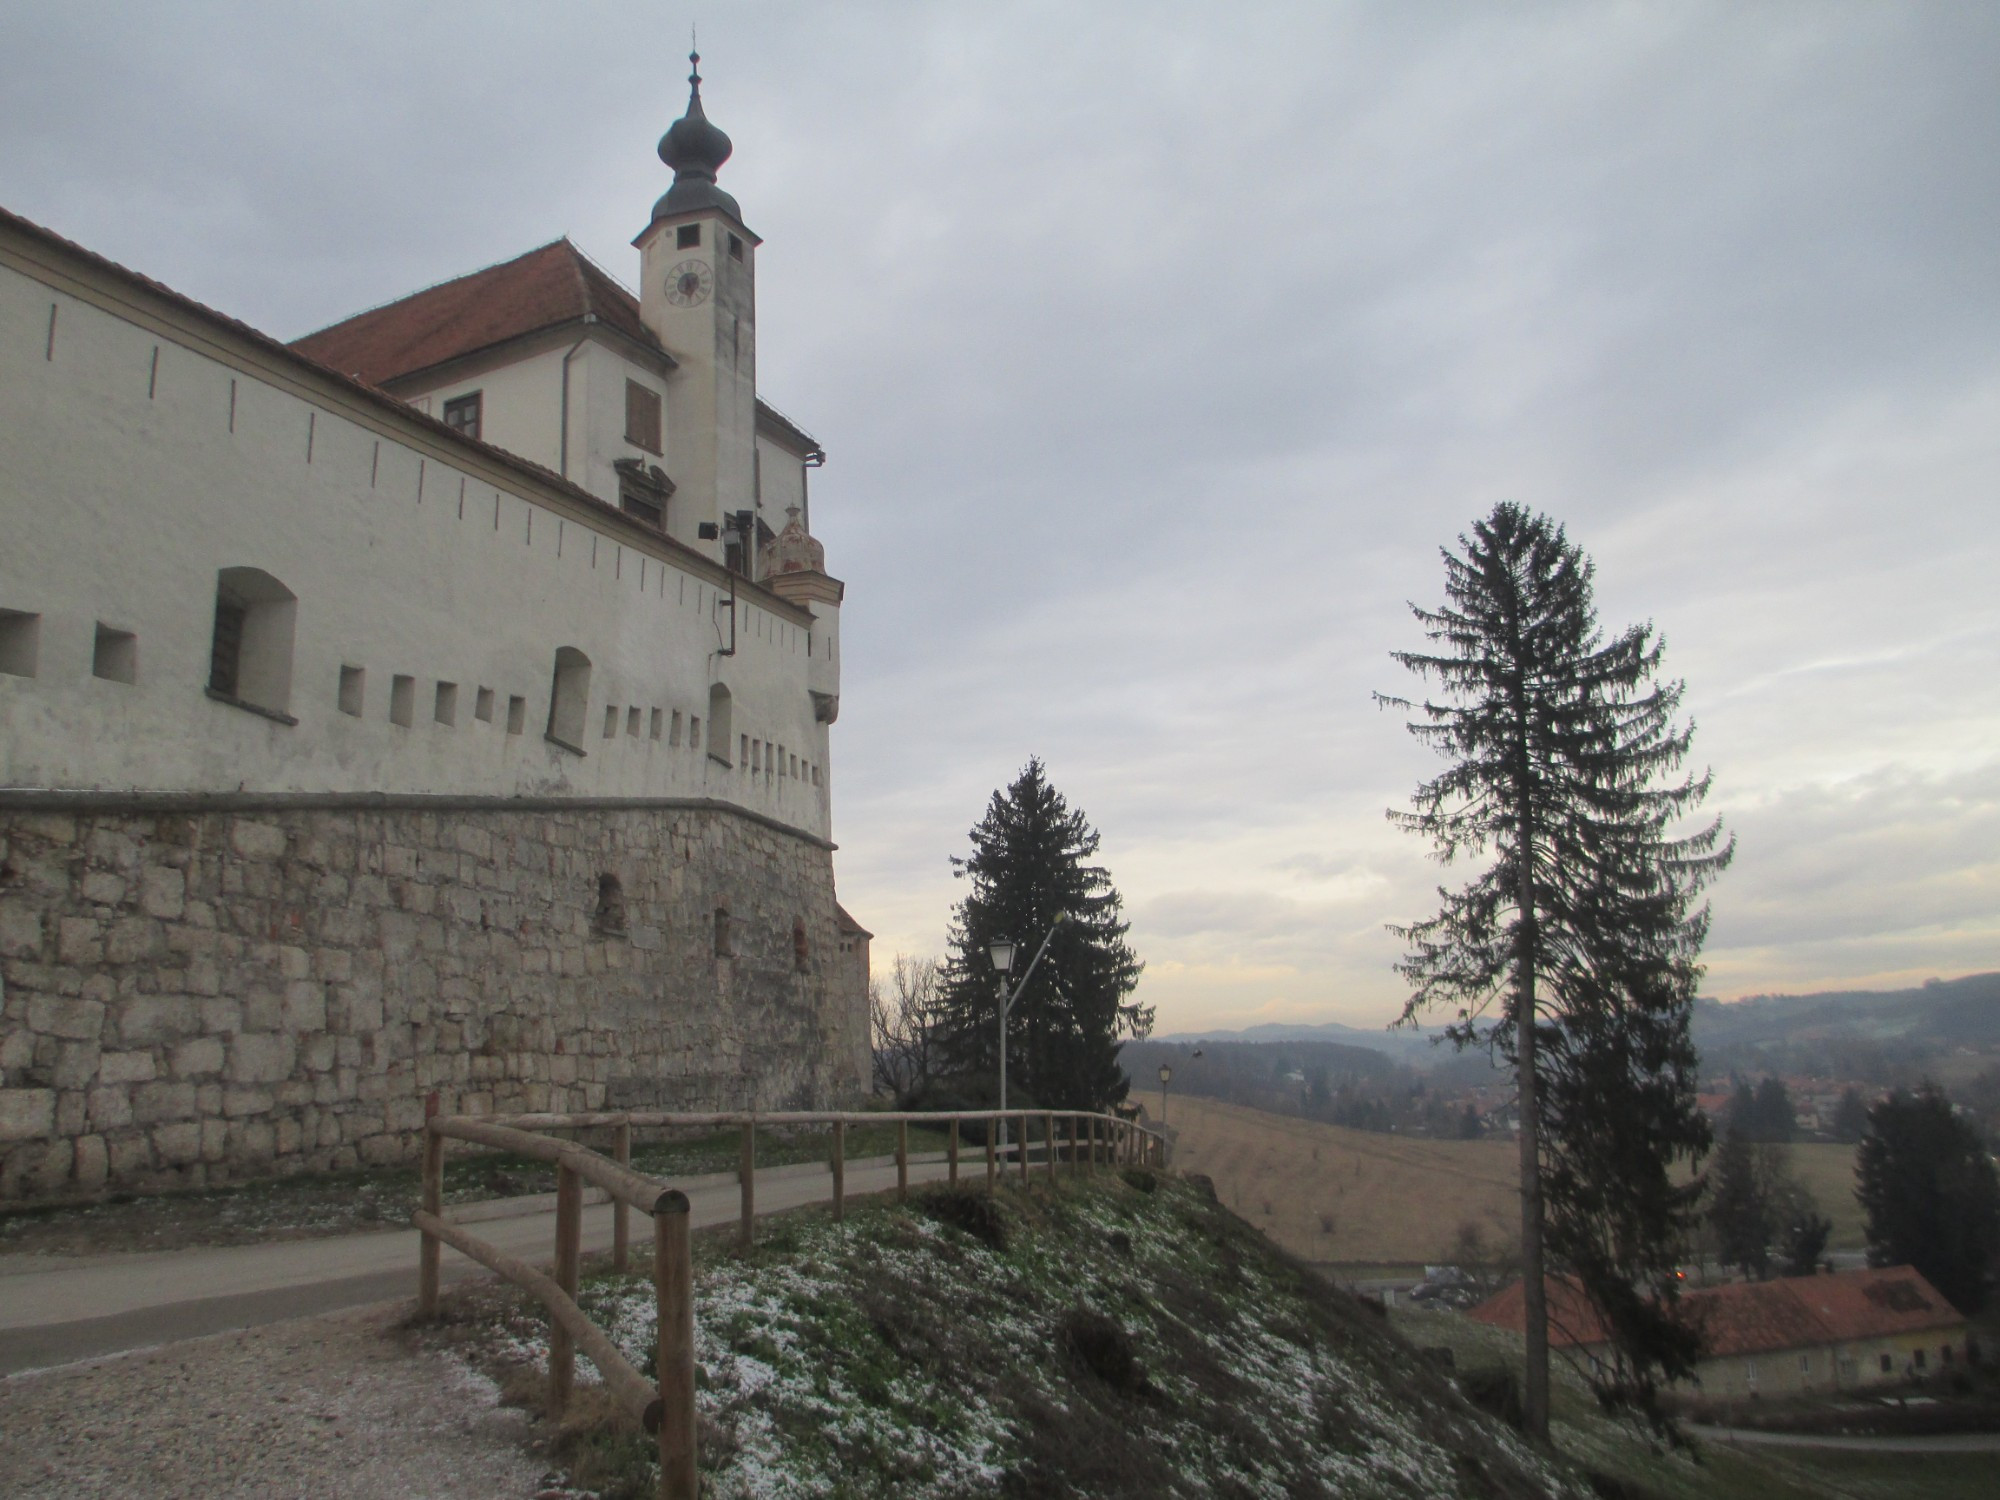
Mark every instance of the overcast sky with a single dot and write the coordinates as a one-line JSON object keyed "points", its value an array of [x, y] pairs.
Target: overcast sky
{"points": [[1159, 347]]}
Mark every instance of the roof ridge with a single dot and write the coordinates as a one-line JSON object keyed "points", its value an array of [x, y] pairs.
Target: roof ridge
{"points": [[434, 286]]}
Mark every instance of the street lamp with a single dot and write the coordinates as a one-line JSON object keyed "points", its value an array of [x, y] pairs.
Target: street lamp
{"points": [[1166, 1077], [1001, 951]]}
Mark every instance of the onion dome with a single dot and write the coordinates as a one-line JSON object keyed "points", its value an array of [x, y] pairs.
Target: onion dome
{"points": [[792, 550], [696, 150]]}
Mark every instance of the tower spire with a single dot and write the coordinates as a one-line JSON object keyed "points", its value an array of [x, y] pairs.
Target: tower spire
{"points": [[696, 150]]}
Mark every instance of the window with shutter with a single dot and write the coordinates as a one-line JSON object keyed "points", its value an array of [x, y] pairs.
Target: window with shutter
{"points": [[642, 416]]}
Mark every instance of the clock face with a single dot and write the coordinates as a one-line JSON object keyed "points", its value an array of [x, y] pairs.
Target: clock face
{"points": [[689, 283]]}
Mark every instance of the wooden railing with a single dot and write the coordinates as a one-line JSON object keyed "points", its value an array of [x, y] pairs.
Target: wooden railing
{"points": [[1085, 1140]]}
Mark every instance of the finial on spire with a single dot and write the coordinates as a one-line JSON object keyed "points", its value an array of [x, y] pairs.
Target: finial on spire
{"points": [[695, 149]]}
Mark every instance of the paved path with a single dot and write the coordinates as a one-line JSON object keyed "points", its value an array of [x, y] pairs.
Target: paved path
{"points": [[1944, 1442], [83, 1308]]}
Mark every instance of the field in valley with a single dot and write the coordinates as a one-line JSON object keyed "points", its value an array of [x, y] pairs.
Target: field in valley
{"points": [[1352, 1196]]}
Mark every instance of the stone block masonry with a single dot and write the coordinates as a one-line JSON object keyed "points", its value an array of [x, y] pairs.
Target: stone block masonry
{"points": [[204, 989]]}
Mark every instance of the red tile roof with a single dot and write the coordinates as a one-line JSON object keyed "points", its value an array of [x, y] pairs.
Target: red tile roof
{"points": [[545, 288], [1759, 1317]]}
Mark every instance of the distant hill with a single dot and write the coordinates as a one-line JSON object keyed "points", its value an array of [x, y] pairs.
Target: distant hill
{"points": [[1865, 1034], [1411, 1046], [1942, 1014]]}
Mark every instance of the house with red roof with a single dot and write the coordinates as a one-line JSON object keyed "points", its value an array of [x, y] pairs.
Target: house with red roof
{"points": [[1838, 1332]]}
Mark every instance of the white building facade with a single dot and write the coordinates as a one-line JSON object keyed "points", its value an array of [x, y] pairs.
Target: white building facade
{"points": [[434, 712]]}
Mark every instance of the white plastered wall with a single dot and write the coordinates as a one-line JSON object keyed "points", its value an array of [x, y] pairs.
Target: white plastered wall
{"points": [[119, 506]]}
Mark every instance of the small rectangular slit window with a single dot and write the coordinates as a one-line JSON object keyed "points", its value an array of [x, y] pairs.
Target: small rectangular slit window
{"points": [[517, 713], [446, 709], [610, 720], [654, 729], [687, 236], [402, 700], [482, 706], [674, 729], [632, 721], [115, 655], [694, 731], [353, 686], [735, 248]]}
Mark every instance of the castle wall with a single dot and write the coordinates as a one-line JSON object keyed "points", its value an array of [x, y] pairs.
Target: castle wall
{"points": [[144, 449], [203, 988]]}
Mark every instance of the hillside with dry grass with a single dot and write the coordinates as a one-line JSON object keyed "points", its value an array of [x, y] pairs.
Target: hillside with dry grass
{"points": [[1356, 1197]]}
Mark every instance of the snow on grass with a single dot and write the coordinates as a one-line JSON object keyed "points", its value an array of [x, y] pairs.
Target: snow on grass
{"points": [[898, 1355]]}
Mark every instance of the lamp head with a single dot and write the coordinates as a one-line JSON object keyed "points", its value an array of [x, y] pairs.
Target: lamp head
{"points": [[1166, 1074], [1001, 951]]}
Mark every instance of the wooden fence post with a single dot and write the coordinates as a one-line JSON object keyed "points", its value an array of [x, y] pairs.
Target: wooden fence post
{"points": [[673, 1284], [569, 1247], [1075, 1144], [746, 1172], [1049, 1144], [839, 1170], [992, 1166], [621, 1213], [902, 1160], [954, 1150], [1023, 1147], [432, 1247]]}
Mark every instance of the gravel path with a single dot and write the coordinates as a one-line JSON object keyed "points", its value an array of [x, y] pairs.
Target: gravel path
{"points": [[318, 1407]]}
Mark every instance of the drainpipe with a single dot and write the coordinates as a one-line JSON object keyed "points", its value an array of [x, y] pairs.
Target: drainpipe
{"points": [[562, 464]]}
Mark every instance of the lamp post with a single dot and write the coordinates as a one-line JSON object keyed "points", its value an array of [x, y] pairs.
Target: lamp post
{"points": [[1001, 951], [1166, 1077]]}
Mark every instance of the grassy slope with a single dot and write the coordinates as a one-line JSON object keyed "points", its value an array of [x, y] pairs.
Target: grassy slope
{"points": [[1392, 1200], [1112, 1337]]}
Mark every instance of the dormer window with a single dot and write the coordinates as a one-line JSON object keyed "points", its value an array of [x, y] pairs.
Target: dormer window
{"points": [[687, 237], [461, 414]]}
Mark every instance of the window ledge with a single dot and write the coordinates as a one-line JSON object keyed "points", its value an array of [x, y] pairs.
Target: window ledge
{"points": [[253, 708], [565, 745], [720, 760]]}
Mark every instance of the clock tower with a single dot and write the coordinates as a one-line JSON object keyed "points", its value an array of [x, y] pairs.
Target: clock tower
{"points": [[698, 296]]}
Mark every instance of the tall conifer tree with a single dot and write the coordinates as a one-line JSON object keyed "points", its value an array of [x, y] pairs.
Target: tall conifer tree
{"points": [[1030, 864], [1582, 925], [1931, 1194]]}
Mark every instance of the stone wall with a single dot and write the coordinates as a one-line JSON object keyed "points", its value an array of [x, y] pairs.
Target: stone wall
{"points": [[204, 989]]}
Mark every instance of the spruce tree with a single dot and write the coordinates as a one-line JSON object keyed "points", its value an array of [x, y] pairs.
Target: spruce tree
{"points": [[1574, 952], [1739, 1208], [1030, 864], [1931, 1195]]}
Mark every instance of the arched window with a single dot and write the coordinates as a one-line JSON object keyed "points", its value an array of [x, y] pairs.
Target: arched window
{"points": [[250, 652], [569, 699], [718, 723]]}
